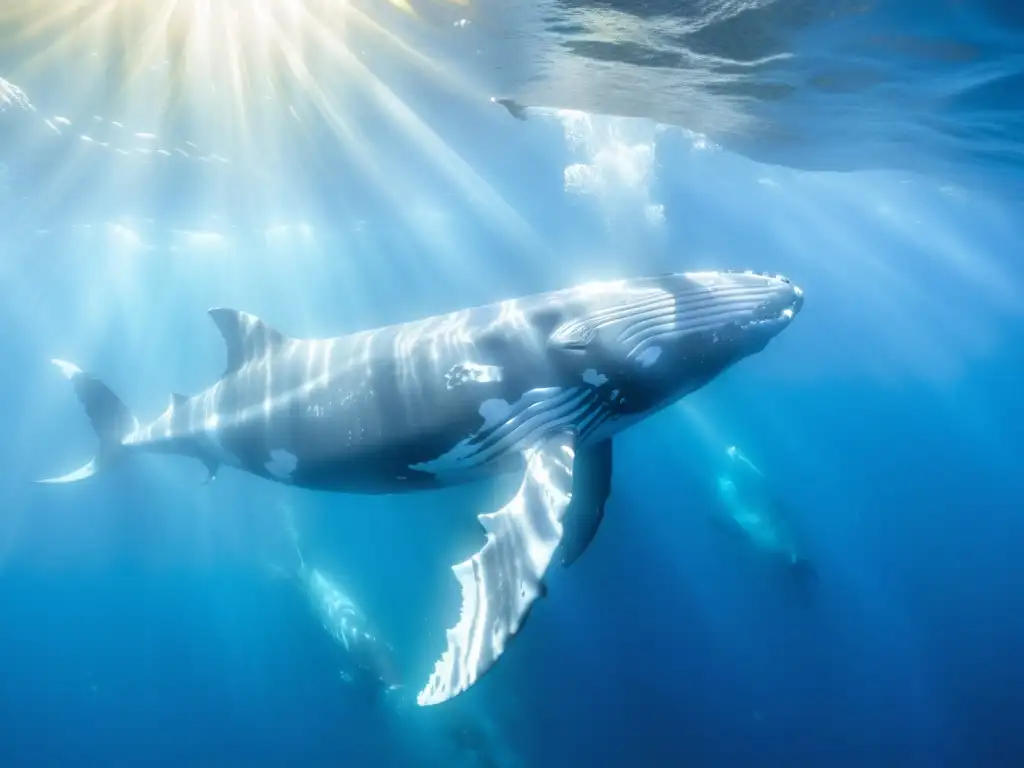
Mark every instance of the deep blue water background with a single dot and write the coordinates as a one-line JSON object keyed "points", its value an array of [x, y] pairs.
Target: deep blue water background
{"points": [[142, 625]]}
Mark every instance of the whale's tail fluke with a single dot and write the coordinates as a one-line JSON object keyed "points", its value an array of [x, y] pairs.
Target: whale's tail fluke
{"points": [[110, 418]]}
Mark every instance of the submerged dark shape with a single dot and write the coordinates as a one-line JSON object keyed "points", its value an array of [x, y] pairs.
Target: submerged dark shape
{"points": [[753, 512], [470, 738], [538, 386], [803, 571], [517, 110]]}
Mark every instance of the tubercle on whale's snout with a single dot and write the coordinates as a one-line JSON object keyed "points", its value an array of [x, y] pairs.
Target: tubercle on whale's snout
{"points": [[770, 275], [798, 298]]}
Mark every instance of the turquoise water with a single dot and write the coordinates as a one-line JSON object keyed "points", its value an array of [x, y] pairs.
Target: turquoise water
{"points": [[337, 170]]}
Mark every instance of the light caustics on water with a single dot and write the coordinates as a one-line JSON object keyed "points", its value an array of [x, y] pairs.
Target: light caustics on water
{"points": [[249, 96], [815, 84], [213, 44], [247, 76], [118, 140], [219, 61]]}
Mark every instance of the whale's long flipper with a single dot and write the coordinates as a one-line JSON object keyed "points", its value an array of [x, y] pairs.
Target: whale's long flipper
{"points": [[501, 582], [592, 483], [110, 418]]}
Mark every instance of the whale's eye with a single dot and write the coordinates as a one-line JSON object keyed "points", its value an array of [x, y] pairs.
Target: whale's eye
{"points": [[573, 346]]}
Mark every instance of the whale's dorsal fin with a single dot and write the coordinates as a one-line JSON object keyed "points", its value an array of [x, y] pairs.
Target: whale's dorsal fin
{"points": [[247, 337]]}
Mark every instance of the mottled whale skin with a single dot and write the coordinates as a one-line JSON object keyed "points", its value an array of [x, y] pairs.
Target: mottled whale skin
{"points": [[537, 385]]}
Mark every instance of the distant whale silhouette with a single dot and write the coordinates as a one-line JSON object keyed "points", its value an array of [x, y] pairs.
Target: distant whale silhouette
{"points": [[753, 511], [367, 661]]}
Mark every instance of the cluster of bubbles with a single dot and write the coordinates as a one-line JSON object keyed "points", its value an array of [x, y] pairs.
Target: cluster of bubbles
{"points": [[618, 160]]}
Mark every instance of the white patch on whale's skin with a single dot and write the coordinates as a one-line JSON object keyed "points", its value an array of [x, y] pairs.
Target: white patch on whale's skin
{"points": [[495, 412], [649, 356], [282, 464], [590, 376], [472, 372]]}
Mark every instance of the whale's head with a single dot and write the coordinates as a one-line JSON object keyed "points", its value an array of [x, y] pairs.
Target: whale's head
{"points": [[647, 342]]}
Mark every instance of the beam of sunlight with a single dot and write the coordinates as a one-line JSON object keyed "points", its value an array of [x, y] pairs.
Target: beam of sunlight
{"points": [[242, 93], [237, 74], [218, 61]]}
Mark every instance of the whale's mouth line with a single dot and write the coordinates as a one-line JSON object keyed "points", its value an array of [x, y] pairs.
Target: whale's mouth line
{"points": [[775, 317], [673, 317]]}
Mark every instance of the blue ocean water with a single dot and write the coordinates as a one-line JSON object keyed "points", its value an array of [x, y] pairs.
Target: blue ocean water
{"points": [[332, 169]]}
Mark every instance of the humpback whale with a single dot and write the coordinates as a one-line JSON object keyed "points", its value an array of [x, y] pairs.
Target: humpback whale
{"points": [[754, 512], [367, 661], [538, 386]]}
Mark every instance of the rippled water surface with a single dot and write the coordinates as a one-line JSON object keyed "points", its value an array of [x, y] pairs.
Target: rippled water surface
{"points": [[823, 84], [811, 83]]}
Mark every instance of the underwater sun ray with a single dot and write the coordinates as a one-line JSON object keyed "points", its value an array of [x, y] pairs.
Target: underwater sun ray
{"points": [[236, 73], [246, 90]]}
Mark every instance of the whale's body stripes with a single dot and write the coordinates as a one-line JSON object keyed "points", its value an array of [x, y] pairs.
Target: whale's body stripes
{"points": [[538, 385]]}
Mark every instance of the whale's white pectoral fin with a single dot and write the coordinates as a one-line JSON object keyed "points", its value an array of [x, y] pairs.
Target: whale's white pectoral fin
{"points": [[501, 582]]}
